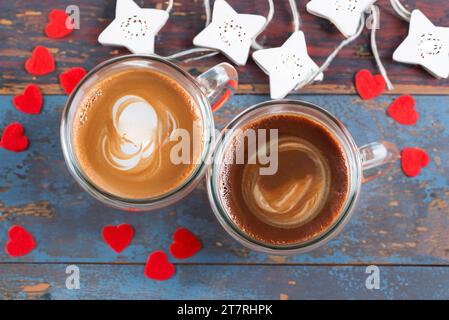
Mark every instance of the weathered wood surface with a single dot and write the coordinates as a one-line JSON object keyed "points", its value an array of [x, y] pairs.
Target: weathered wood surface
{"points": [[401, 223], [22, 23], [399, 220], [36, 281]]}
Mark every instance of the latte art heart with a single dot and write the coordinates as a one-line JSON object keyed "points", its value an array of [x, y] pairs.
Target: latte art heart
{"points": [[137, 133], [125, 129]]}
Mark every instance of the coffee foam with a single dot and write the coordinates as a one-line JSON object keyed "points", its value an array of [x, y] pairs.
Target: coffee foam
{"points": [[138, 133], [122, 133]]}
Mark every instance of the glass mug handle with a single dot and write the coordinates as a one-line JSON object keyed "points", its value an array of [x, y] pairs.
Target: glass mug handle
{"points": [[219, 84], [377, 158]]}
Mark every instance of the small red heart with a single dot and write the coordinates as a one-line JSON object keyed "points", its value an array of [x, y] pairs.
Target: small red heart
{"points": [[13, 138], [118, 237], [185, 244], [403, 110], [57, 26], [412, 160], [20, 243], [369, 86], [41, 62], [158, 267], [70, 78], [30, 101]]}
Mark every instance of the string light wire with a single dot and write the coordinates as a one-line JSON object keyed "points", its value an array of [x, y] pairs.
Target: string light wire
{"points": [[295, 14], [401, 10], [169, 6], [334, 54], [270, 15], [375, 24]]}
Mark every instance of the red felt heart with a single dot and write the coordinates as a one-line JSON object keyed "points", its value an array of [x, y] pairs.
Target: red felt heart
{"points": [[403, 110], [369, 86], [118, 237], [412, 160], [30, 101], [41, 62], [185, 244], [13, 138], [60, 25], [20, 243], [158, 267], [70, 78]]}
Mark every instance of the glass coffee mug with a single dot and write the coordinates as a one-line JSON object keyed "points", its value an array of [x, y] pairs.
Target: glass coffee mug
{"points": [[363, 164], [208, 92]]}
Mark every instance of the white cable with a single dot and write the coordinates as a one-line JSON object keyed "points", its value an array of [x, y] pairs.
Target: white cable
{"points": [[296, 20], [270, 15], [169, 6], [326, 64], [206, 55], [401, 10], [329, 59], [207, 9], [295, 14], [376, 21], [203, 53]]}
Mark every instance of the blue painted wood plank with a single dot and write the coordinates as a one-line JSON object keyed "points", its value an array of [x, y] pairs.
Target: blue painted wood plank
{"points": [[224, 282], [399, 220]]}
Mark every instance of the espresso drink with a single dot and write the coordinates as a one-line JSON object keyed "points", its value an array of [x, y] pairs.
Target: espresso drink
{"points": [[306, 194], [123, 134]]}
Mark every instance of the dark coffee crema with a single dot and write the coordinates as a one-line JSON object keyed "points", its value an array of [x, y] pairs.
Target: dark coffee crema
{"points": [[305, 196]]}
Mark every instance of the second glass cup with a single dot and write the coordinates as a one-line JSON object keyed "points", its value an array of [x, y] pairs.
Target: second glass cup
{"points": [[362, 164]]}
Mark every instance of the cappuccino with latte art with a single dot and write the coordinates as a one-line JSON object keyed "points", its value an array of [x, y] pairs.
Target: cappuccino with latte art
{"points": [[126, 128]]}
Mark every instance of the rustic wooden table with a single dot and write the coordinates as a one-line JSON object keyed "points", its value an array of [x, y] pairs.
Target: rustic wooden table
{"points": [[401, 224]]}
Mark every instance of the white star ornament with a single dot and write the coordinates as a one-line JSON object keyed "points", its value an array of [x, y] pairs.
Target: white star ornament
{"points": [[230, 33], [133, 27], [426, 45], [287, 66], [344, 14]]}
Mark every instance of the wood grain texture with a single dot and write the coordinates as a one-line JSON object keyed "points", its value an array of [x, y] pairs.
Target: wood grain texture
{"points": [[399, 220], [22, 24], [34, 281], [401, 223]]}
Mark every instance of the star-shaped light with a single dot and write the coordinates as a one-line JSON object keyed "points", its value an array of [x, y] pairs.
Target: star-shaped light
{"points": [[287, 66], [133, 27], [344, 14], [426, 45], [230, 32]]}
